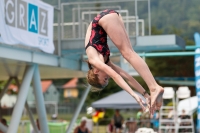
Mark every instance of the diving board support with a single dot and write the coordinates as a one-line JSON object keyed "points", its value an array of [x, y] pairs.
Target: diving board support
{"points": [[21, 99], [3, 128], [39, 98], [35, 128], [28, 109], [78, 109]]}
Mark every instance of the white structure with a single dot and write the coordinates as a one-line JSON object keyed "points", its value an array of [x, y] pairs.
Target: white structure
{"points": [[167, 121], [174, 122], [183, 92]]}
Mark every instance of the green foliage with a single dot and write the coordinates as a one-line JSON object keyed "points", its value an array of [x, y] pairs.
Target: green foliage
{"points": [[172, 66]]}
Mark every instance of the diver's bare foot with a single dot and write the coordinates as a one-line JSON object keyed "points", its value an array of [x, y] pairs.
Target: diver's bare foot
{"points": [[159, 101], [156, 98]]}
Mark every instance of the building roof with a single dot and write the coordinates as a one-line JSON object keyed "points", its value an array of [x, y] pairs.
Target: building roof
{"points": [[45, 85], [13, 87], [71, 84]]}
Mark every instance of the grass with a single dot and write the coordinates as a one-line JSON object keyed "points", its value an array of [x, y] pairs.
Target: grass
{"points": [[67, 117], [99, 129]]}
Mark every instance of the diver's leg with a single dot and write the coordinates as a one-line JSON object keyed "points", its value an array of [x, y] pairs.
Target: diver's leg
{"points": [[114, 27]]}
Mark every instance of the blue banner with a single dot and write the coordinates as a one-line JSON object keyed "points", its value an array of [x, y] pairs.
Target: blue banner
{"points": [[197, 74]]}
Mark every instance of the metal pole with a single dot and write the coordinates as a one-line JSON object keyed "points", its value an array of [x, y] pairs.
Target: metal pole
{"points": [[19, 106], [136, 23], [73, 26], [97, 127], [31, 118], [78, 109], [40, 106], [5, 87], [28, 109], [162, 54], [127, 23], [168, 54], [59, 30], [90, 17], [79, 21], [3, 128], [149, 16], [62, 21], [100, 2], [56, 108]]}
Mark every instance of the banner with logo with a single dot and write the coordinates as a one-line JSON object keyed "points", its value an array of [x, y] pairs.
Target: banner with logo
{"points": [[197, 74], [27, 22]]}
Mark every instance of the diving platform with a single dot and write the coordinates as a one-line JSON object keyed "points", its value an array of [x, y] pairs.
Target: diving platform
{"points": [[139, 44], [71, 63], [13, 61]]}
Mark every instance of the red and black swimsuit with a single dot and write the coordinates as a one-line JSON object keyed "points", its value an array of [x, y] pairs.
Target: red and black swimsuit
{"points": [[98, 38]]}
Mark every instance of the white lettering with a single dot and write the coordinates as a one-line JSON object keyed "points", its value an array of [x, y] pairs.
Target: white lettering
{"points": [[197, 73], [22, 15], [198, 84], [197, 61], [43, 41], [10, 20], [197, 64], [43, 21], [197, 50], [33, 21]]}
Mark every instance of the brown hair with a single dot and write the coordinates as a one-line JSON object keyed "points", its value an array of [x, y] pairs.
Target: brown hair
{"points": [[93, 79]]}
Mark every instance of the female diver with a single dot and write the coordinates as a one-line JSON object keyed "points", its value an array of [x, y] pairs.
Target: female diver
{"points": [[109, 22]]}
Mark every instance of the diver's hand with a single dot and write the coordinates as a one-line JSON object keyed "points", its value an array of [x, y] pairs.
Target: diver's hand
{"points": [[140, 101], [148, 100]]}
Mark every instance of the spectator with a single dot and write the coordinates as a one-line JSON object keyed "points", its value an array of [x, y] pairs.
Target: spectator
{"points": [[131, 126], [4, 122], [38, 126], [118, 120], [111, 127], [145, 121], [139, 117], [82, 128], [155, 120], [171, 114], [184, 116]]}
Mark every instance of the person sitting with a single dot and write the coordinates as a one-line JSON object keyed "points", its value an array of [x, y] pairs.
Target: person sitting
{"points": [[184, 116], [139, 117], [131, 125], [111, 127], [155, 120], [82, 128], [171, 114]]}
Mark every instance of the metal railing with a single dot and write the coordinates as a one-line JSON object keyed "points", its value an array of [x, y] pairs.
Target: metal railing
{"points": [[72, 18]]}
